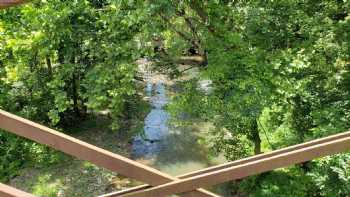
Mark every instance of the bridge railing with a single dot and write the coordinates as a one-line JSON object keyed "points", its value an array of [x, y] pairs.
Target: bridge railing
{"points": [[315, 146], [82, 150], [7, 191], [9, 3], [161, 184], [251, 166]]}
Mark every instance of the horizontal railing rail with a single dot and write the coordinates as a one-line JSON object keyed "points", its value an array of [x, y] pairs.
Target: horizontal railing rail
{"points": [[161, 184], [7, 191], [82, 150], [297, 154], [239, 162], [9, 3]]}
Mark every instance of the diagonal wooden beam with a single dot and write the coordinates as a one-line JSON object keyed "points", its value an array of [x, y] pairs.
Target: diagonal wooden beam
{"points": [[250, 168], [7, 191], [88, 152], [9, 3], [237, 162]]}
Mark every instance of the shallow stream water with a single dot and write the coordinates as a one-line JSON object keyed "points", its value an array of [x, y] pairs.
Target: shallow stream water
{"points": [[172, 150]]}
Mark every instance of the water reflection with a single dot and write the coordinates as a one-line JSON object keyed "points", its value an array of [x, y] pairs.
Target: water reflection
{"points": [[172, 150], [147, 145]]}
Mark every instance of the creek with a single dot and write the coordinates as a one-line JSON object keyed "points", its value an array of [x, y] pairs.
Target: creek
{"points": [[174, 150]]}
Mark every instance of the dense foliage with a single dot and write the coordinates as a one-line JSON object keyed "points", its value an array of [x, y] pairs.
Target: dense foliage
{"points": [[279, 73], [280, 76], [61, 60]]}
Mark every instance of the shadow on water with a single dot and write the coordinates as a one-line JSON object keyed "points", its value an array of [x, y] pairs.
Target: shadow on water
{"points": [[181, 153]]}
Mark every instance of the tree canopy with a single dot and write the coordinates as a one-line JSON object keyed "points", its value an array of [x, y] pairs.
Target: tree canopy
{"points": [[278, 71]]}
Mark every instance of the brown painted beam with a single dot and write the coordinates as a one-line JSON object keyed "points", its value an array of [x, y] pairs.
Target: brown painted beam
{"points": [[251, 168], [85, 151], [7, 191], [142, 187], [9, 3], [238, 162]]}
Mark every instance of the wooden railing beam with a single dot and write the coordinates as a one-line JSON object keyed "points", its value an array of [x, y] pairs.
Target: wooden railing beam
{"points": [[191, 181], [88, 152], [9, 3], [238, 162], [251, 168], [7, 191]]}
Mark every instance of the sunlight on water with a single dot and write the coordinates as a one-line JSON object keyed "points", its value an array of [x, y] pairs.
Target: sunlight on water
{"points": [[172, 150]]}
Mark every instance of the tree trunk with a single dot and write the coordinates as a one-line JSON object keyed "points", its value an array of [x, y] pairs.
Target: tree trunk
{"points": [[49, 66], [256, 138], [257, 146], [32, 65], [302, 123], [200, 60], [75, 94], [60, 53], [74, 85]]}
